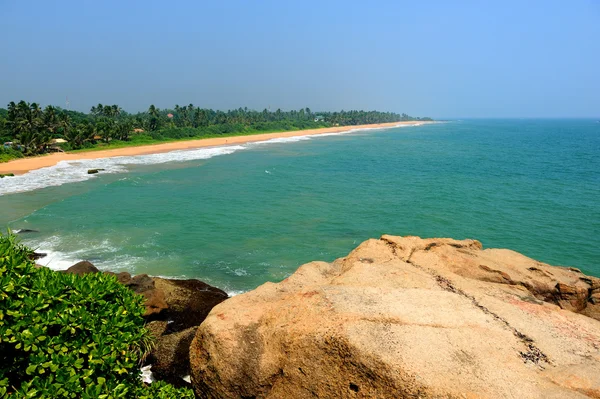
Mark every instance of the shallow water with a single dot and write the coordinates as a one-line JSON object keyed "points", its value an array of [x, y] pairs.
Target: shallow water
{"points": [[237, 217]]}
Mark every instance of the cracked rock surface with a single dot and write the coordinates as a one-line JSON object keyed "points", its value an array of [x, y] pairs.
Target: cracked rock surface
{"points": [[405, 317]]}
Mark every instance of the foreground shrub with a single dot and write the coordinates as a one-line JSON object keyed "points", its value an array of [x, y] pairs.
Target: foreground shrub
{"points": [[68, 336]]}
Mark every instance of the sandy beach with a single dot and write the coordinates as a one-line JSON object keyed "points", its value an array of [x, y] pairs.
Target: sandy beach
{"points": [[24, 165]]}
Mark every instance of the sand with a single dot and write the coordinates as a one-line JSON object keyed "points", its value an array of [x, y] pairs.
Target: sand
{"points": [[24, 165]]}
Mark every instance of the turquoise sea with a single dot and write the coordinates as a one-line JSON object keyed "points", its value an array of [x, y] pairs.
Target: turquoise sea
{"points": [[238, 216]]}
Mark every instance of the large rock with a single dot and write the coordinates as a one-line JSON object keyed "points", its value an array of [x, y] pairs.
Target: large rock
{"points": [[144, 285], [174, 308], [188, 301], [183, 303], [404, 317], [81, 268], [170, 357]]}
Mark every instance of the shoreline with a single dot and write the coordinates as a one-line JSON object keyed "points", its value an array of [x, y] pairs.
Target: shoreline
{"points": [[24, 165]]}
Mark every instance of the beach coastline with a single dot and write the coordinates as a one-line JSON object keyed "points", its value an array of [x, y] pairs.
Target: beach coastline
{"points": [[24, 165]]}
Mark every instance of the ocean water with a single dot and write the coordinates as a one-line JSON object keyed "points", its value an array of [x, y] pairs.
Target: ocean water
{"points": [[239, 216]]}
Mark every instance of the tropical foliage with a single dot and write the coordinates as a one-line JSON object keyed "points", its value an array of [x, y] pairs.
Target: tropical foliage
{"points": [[68, 336], [33, 130]]}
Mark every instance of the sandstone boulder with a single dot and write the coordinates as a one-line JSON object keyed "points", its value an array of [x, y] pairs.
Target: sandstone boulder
{"points": [[405, 317]]}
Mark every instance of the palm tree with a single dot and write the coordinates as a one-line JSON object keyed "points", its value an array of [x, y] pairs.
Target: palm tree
{"points": [[123, 130], [107, 111], [154, 117], [25, 121], [79, 134], [105, 128], [115, 110], [50, 121], [64, 121], [190, 114]]}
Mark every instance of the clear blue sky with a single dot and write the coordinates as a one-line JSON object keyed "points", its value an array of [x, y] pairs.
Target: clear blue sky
{"points": [[533, 58]]}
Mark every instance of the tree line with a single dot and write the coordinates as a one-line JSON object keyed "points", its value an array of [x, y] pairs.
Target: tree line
{"points": [[32, 129]]}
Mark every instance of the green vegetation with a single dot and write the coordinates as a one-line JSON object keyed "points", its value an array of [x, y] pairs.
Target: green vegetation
{"points": [[33, 130], [68, 336], [8, 154]]}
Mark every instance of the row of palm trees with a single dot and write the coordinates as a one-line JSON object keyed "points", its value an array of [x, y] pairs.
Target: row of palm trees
{"points": [[189, 116], [34, 128]]}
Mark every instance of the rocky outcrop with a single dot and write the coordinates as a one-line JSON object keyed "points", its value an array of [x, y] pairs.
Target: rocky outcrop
{"points": [[405, 317], [144, 285], [174, 309], [189, 301]]}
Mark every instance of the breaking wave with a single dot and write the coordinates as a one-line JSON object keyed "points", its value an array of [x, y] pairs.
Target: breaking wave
{"points": [[76, 171]]}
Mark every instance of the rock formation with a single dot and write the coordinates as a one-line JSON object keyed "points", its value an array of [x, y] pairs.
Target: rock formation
{"points": [[174, 309], [405, 317]]}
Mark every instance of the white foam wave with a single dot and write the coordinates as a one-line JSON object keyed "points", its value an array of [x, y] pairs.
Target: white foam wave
{"points": [[282, 140], [76, 171], [56, 260]]}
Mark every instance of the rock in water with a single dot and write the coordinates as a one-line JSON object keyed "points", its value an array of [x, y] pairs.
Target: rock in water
{"points": [[23, 231], [405, 317]]}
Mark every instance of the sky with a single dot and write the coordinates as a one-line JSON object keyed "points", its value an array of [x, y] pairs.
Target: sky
{"points": [[438, 58]]}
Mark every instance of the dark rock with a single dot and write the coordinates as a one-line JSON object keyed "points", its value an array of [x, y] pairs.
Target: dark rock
{"points": [[157, 328], [170, 358], [174, 309], [37, 255], [189, 301], [22, 231], [144, 285], [140, 283], [81, 268], [123, 277], [6, 175], [94, 171]]}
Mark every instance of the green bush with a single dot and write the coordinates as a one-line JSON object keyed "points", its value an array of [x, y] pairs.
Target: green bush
{"points": [[68, 336], [8, 154]]}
